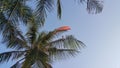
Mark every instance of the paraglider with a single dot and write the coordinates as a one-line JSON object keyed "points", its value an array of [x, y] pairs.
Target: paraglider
{"points": [[63, 28]]}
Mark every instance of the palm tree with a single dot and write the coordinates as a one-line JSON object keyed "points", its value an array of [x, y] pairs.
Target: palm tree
{"points": [[15, 12], [39, 49], [36, 49]]}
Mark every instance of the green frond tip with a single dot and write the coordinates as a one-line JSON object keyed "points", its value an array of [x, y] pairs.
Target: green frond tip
{"points": [[58, 54], [40, 64], [17, 64], [67, 42], [42, 8], [6, 56], [94, 6], [59, 10]]}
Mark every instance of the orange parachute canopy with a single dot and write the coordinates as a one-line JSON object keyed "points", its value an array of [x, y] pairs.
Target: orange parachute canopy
{"points": [[63, 28]]}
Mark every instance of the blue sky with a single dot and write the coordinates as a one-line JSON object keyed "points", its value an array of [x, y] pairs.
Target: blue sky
{"points": [[100, 33]]}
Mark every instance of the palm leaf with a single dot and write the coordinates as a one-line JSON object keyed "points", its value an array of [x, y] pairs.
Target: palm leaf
{"points": [[59, 10], [32, 33], [39, 64], [27, 63], [48, 65], [67, 42], [25, 14], [58, 54], [44, 37], [81, 1], [16, 10], [4, 57], [17, 64], [30, 58], [43, 6], [94, 6], [40, 38], [12, 36]]}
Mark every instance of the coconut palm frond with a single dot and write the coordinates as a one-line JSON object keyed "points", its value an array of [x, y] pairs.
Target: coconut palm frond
{"points": [[27, 63], [32, 56], [18, 64], [57, 54], [94, 6], [46, 37], [6, 56], [43, 6], [12, 36], [29, 59], [16, 10], [42, 59], [48, 65], [15, 43], [39, 64], [40, 38], [59, 9], [25, 13], [80, 1], [67, 42], [11, 11], [32, 33]]}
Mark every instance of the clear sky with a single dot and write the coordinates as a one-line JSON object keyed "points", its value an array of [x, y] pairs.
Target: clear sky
{"points": [[100, 33]]}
